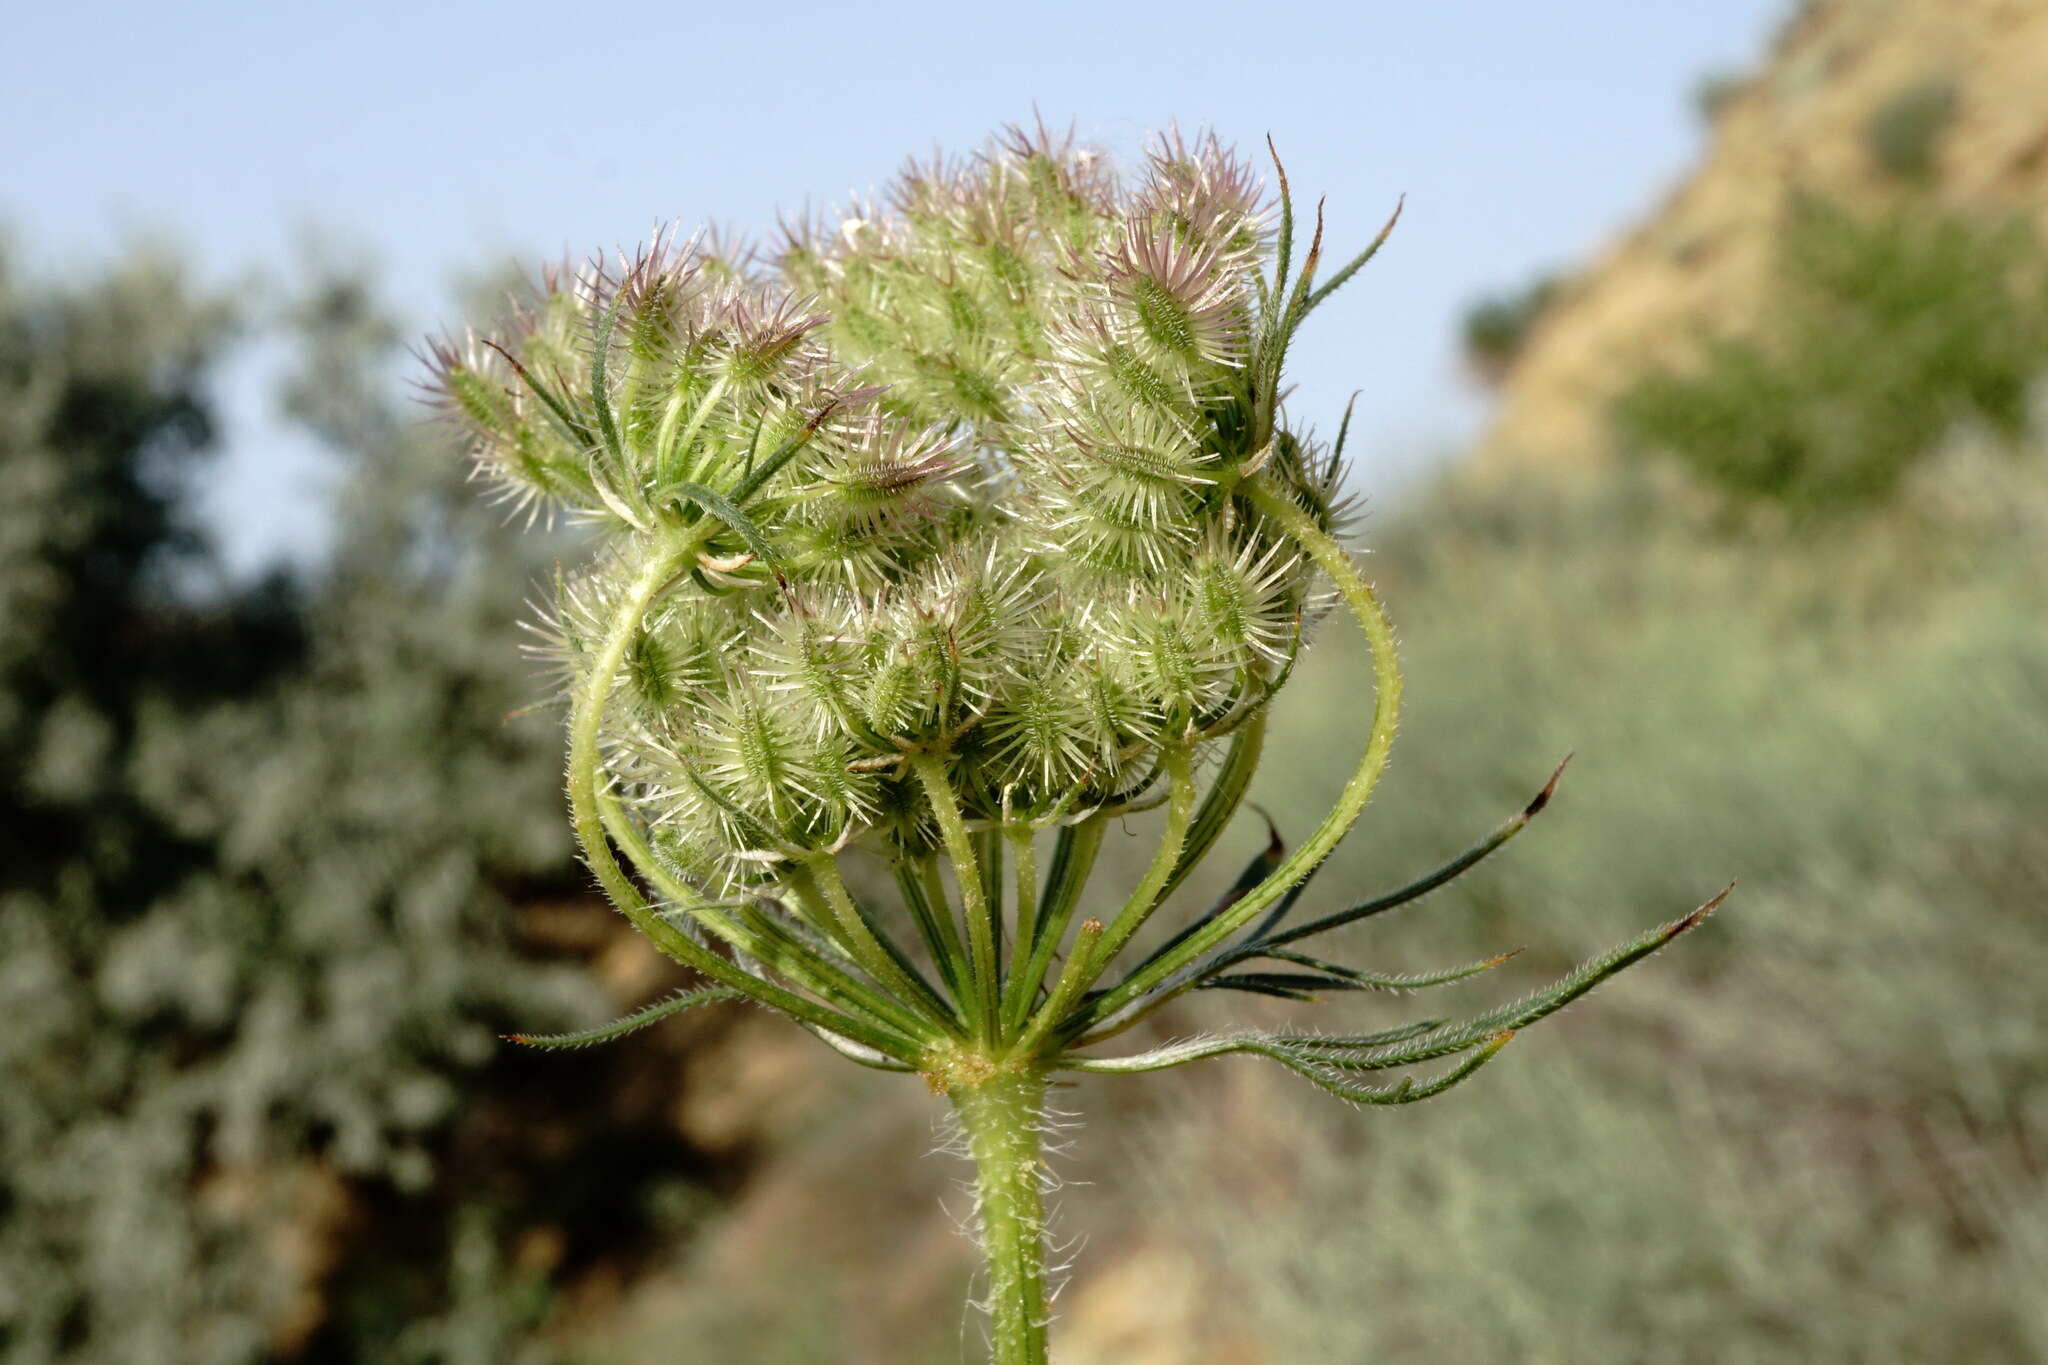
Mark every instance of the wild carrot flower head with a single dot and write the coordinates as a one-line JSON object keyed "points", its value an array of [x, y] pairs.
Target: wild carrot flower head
{"points": [[965, 516], [958, 468]]}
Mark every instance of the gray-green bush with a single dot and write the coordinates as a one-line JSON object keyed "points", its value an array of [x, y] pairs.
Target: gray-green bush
{"points": [[1903, 134], [1820, 1137], [261, 844], [1497, 327]]}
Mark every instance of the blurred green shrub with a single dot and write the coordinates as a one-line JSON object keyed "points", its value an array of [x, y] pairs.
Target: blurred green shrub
{"points": [[254, 923], [1715, 91], [1882, 333], [1496, 328], [1820, 1137], [1904, 133]]}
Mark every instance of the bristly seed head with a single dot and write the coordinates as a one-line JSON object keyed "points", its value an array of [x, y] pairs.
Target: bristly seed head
{"points": [[955, 470]]}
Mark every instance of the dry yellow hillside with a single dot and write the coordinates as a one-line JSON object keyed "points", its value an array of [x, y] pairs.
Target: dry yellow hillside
{"points": [[1700, 259]]}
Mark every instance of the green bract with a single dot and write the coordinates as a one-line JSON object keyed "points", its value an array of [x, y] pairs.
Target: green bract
{"points": [[955, 530]]}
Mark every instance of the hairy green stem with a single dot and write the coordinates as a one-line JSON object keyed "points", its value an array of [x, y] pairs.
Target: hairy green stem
{"points": [[983, 998], [881, 959], [585, 762], [1073, 858], [776, 951], [1024, 857], [1180, 812], [1351, 801], [1223, 798], [934, 922], [1001, 1116]]}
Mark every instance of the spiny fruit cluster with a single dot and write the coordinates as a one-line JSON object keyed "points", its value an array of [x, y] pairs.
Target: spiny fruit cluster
{"points": [[957, 475]]}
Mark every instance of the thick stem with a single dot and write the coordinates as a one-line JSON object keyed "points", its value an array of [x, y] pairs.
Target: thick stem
{"points": [[1001, 1116]]}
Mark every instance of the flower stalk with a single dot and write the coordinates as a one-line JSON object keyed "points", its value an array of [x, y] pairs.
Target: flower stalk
{"points": [[938, 539], [1001, 1118]]}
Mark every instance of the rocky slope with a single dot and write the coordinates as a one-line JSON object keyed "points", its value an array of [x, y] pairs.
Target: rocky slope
{"points": [[1863, 99]]}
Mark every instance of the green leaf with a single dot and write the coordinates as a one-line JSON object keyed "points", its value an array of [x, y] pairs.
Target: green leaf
{"points": [[737, 521], [757, 477], [575, 425], [1418, 888], [1183, 1053], [1297, 302], [1283, 246], [1206, 975], [1530, 1008], [1357, 262], [1307, 1062], [1344, 428], [942, 1003], [1345, 978], [600, 392], [1295, 985], [1257, 870], [632, 1023], [1406, 1091], [1347, 1042], [939, 940], [856, 1052]]}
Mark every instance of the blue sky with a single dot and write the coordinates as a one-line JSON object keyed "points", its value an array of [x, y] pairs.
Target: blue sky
{"points": [[438, 138]]}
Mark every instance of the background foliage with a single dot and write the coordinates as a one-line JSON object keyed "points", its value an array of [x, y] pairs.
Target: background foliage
{"points": [[1818, 1134], [256, 937]]}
